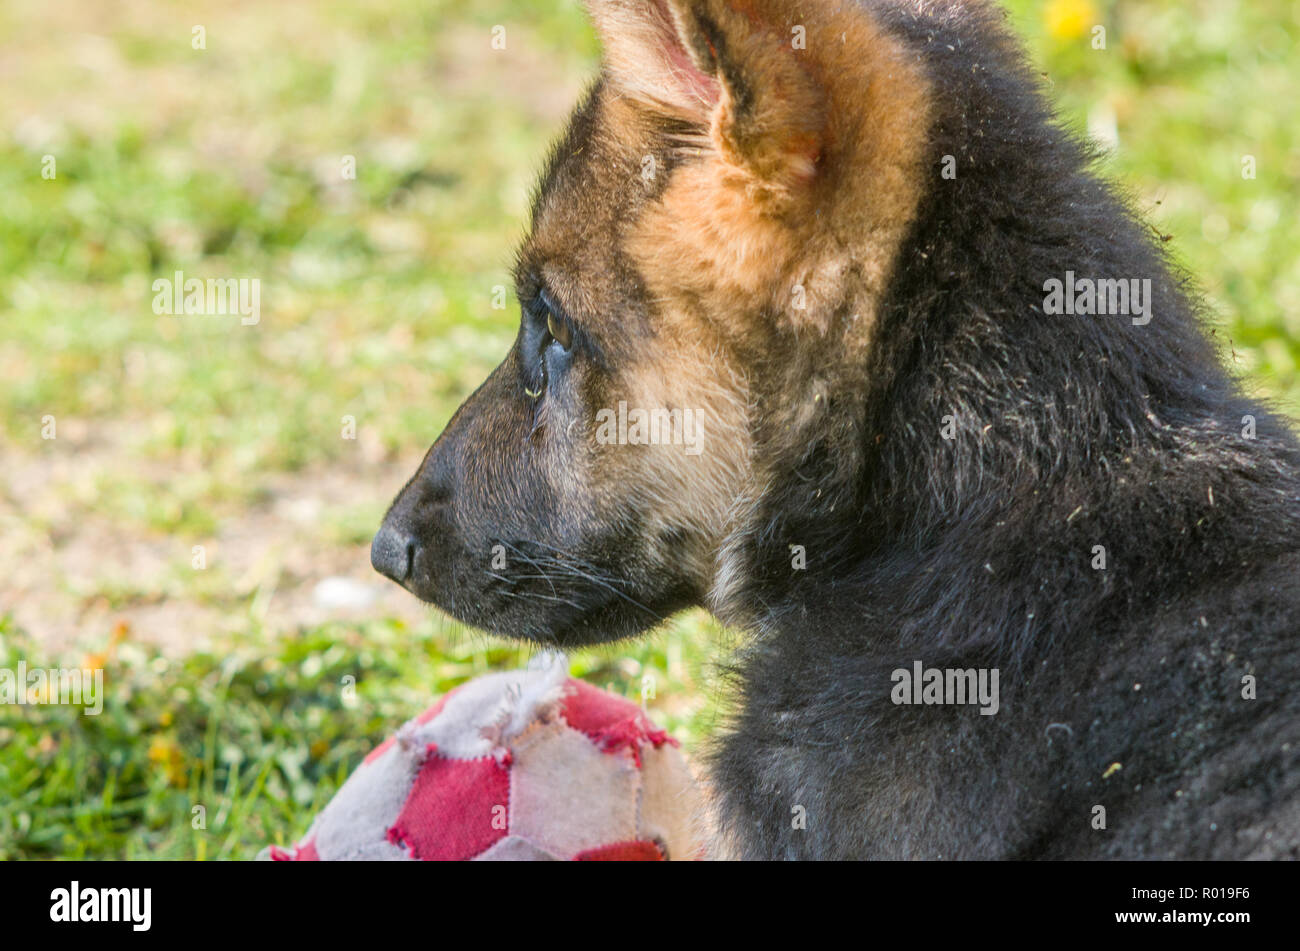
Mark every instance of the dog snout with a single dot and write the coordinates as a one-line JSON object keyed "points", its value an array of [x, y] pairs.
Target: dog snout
{"points": [[393, 552]]}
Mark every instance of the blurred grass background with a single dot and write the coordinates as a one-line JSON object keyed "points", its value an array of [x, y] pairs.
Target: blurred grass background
{"points": [[226, 683]]}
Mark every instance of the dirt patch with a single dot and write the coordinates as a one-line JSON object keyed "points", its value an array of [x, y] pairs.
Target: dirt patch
{"points": [[69, 574]]}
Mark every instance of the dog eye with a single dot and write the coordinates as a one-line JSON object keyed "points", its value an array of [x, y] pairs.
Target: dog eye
{"points": [[558, 330]]}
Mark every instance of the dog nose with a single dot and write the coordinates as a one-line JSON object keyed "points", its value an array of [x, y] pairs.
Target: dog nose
{"points": [[392, 553]]}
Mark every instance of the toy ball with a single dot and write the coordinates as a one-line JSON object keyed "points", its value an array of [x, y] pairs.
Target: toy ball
{"points": [[528, 765]]}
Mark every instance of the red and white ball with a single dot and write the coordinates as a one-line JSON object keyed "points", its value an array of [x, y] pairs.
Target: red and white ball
{"points": [[525, 765]]}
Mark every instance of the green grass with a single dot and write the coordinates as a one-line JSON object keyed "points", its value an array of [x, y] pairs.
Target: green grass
{"points": [[211, 757], [376, 304]]}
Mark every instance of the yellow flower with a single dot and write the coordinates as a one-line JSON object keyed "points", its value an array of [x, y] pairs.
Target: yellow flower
{"points": [[165, 752], [120, 630], [160, 749], [1069, 19]]}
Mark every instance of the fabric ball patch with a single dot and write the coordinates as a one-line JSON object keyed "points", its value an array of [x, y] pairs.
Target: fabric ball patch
{"points": [[530, 765]]}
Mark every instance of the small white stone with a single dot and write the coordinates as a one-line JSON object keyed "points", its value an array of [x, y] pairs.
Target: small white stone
{"points": [[343, 594]]}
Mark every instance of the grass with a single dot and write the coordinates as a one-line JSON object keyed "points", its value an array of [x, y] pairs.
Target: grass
{"points": [[215, 756], [377, 305]]}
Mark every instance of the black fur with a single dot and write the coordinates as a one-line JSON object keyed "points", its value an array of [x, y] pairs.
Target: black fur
{"points": [[1120, 687], [977, 551]]}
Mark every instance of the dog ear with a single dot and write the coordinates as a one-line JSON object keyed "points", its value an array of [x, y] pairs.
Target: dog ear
{"points": [[728, 66]]}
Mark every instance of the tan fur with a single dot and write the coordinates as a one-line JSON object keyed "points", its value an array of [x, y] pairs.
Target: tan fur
{"points": [[694, 493], [735, 237], [785, 211], [577, 232], [721, 235]]}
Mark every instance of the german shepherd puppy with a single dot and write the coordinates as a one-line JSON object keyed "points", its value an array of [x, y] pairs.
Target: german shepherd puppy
{"points": [[1017, 560]]}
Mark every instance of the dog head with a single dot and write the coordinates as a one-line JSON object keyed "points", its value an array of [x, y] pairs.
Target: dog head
{"points": [[707, 249]]}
